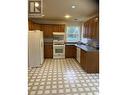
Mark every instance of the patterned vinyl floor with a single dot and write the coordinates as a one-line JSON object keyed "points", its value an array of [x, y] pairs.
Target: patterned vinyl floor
{"points": [[62, 77]]}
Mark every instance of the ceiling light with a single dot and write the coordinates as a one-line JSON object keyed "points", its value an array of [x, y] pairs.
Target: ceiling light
{"points": [[67, 16], [36, 4], [42, 15], [73, 6]]}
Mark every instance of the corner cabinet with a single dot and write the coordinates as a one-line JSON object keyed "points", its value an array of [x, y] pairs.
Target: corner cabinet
{"points": [[89, 61], [91, 28]]}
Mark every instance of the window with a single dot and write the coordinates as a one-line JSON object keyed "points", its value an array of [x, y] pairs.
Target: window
{"points": [[72, 33]]}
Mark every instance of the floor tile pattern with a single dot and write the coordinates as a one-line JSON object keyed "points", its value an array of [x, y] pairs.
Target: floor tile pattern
{"points": [[62, 77]]}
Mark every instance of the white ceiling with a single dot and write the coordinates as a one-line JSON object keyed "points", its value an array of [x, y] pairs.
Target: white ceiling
{"points": [[57, 9]]}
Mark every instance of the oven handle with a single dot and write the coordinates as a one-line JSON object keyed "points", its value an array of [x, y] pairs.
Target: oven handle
{"points": [[58, 45]]}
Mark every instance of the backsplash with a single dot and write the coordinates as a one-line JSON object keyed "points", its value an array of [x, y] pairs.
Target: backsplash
{"points": [[90, 42], [48, 39]]}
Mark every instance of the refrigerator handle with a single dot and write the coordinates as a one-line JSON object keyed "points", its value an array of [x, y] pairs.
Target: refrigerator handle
{"points": [[41, 43]]}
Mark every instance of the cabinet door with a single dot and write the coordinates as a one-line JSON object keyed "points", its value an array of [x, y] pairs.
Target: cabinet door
{"points": [[95, 34], [37, 26], [84, 32], [92, 61], [83, 59], [48, 31], [87, 30], [30, 24], [70, 51], [48, 51], [91, 28], [97, 30]]}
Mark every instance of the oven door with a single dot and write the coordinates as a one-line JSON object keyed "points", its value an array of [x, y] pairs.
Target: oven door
{"points": [[58, 51]]}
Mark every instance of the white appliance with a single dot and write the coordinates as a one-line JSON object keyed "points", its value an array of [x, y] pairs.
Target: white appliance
{"points": [[59, 33], [35, 48], [59, 51], [58, 36], [58, 45], [78, 54]]}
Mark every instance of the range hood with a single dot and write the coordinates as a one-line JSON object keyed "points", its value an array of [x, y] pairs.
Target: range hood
{"points": [[58, 33]]}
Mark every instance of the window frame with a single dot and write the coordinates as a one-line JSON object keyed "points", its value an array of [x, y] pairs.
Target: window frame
{"points": [[79, 34]]}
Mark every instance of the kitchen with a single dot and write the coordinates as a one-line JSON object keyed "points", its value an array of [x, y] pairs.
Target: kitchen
{"points": [[69, 48], [29, 65]]}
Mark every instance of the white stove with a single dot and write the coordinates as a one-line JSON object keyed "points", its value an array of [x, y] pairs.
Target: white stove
{"points": [[58, 46], [59, 51]]}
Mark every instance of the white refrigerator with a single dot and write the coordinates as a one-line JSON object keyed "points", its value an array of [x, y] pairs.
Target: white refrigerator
{"points": [[35, 48]]}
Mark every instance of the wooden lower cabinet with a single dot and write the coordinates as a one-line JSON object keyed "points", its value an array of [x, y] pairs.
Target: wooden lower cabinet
{"points": [[70, 51], [83, 59], [48, 51], [90, 61]]}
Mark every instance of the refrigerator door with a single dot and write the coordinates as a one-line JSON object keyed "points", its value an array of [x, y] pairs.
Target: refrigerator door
{"points": [[34, 47], [42, 48]]}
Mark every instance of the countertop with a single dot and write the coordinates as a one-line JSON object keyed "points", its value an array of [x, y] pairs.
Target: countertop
{"points": [[84, 47], [87, 48], [81, 46], [70, 43]]}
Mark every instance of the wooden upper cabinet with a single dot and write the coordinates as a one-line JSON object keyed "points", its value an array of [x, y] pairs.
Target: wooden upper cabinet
{"points": [[30, 25], [58, 28], [96, 27], [34, 26], [63, 28], [86, 30], [48, 29], [97, 30], [37, 26], [92, 28]]}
